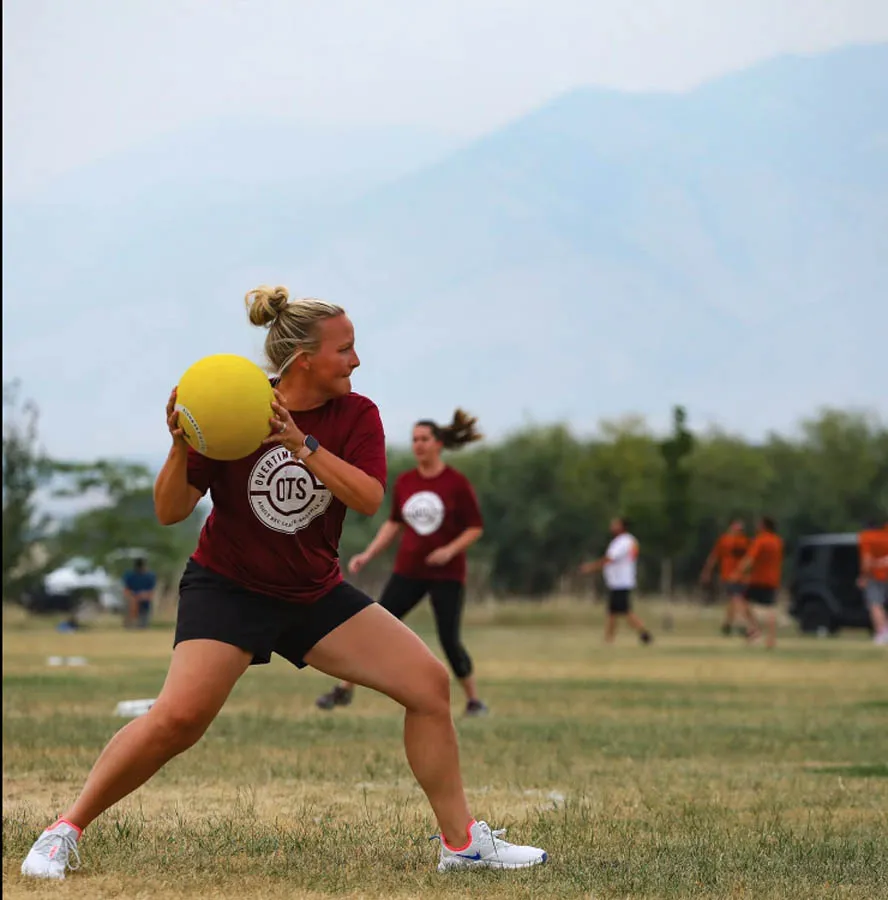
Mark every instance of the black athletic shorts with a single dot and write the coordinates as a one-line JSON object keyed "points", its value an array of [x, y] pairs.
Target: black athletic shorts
{"points": [[763, 596], [216, 608], [619, 601]]}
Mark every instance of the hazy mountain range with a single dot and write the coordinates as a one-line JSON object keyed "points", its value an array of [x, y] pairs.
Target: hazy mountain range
{"points": [[609, 253]]}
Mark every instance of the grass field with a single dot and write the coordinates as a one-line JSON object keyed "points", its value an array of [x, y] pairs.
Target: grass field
{"points": [[694, 768]]}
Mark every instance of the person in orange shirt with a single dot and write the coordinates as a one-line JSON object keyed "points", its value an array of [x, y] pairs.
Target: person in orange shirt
{"points": [[873, 542], [763, 564], [727, 553]]}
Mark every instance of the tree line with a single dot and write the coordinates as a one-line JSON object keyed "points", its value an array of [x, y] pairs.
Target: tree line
{"points": [[112, 501], [547, 496]]}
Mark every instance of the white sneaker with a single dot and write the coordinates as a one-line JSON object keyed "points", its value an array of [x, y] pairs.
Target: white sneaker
{"points": [[487, 850], [881, 639], [53, 852]]}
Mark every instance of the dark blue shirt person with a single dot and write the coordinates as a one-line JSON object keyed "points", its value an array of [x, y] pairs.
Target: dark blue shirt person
{"points": [[139, 584]]}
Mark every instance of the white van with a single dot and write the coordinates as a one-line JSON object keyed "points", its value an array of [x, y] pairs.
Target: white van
{"points": [[77, 580]]}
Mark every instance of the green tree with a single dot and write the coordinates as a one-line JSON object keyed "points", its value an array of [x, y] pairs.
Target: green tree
{"points": [[536, 508], [547, 495], [833, 477], [111, 532], [729, 478], [117, 509], [626, 467], [677, 502], [25, 471]]}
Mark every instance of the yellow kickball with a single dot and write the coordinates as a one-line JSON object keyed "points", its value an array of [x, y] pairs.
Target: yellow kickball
{"points": [[224, 405]]}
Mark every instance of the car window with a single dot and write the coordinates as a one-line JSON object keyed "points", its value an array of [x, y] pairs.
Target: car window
{"points": [[844, 563], [805, 555]]}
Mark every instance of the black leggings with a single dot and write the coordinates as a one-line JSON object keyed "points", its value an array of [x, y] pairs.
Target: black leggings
{"points": [[401, 594]]}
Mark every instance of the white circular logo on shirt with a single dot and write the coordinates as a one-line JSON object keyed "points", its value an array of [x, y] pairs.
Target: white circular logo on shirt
{"points": [[284, 495], [424, 512]]}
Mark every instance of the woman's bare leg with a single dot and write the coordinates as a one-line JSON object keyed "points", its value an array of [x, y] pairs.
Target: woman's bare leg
{"points": [[376, 650], [200, 678], [470, 687]]}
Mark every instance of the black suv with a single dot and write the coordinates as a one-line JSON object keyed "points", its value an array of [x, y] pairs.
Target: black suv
{"points": [[823, 589]]}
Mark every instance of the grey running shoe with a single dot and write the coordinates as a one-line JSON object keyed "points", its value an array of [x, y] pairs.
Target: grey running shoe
{"points": [[339, 696], [476, 708]]}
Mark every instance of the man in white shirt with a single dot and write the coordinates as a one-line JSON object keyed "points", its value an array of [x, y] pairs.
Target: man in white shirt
{"points": [[619, 565]]}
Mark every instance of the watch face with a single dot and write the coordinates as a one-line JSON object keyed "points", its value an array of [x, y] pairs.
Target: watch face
{"points": [[311, 443]]}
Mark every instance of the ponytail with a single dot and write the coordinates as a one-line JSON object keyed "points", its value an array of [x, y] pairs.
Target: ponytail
{"points": [[458, 433]]}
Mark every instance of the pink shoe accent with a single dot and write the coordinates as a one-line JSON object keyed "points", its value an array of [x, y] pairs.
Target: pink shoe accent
{"points": [[465, 846], [70, 824]]}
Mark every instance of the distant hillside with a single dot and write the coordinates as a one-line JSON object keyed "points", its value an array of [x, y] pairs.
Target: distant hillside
{"points": [[726, 248]]}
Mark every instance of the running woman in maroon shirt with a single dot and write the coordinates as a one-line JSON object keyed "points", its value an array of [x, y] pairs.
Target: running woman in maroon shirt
{"points": [[265, 579], [435, 512]]}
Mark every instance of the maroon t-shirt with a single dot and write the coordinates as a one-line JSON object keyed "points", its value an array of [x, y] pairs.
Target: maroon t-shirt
{"points": [[433, 511], [275, 527]]}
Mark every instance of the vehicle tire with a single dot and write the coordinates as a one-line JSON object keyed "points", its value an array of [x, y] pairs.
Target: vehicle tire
{"points": [[816, 617]]}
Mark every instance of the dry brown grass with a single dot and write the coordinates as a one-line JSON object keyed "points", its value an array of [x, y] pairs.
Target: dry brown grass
{"points": [[698, 767]]}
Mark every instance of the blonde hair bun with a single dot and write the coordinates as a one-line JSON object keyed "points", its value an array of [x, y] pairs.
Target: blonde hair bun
{"points": [[266, 303]]}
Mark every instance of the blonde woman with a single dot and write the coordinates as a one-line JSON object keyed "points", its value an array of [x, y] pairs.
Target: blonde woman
{"points": [[265, 579]]}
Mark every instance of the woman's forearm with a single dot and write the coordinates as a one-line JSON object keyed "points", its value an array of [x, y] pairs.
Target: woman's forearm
{"points": [[174, 497], [388, 531], [354, 487], [465, 540]]}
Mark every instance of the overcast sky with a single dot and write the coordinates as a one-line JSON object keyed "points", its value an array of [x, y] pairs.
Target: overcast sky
{"points": [[85, 78]]}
